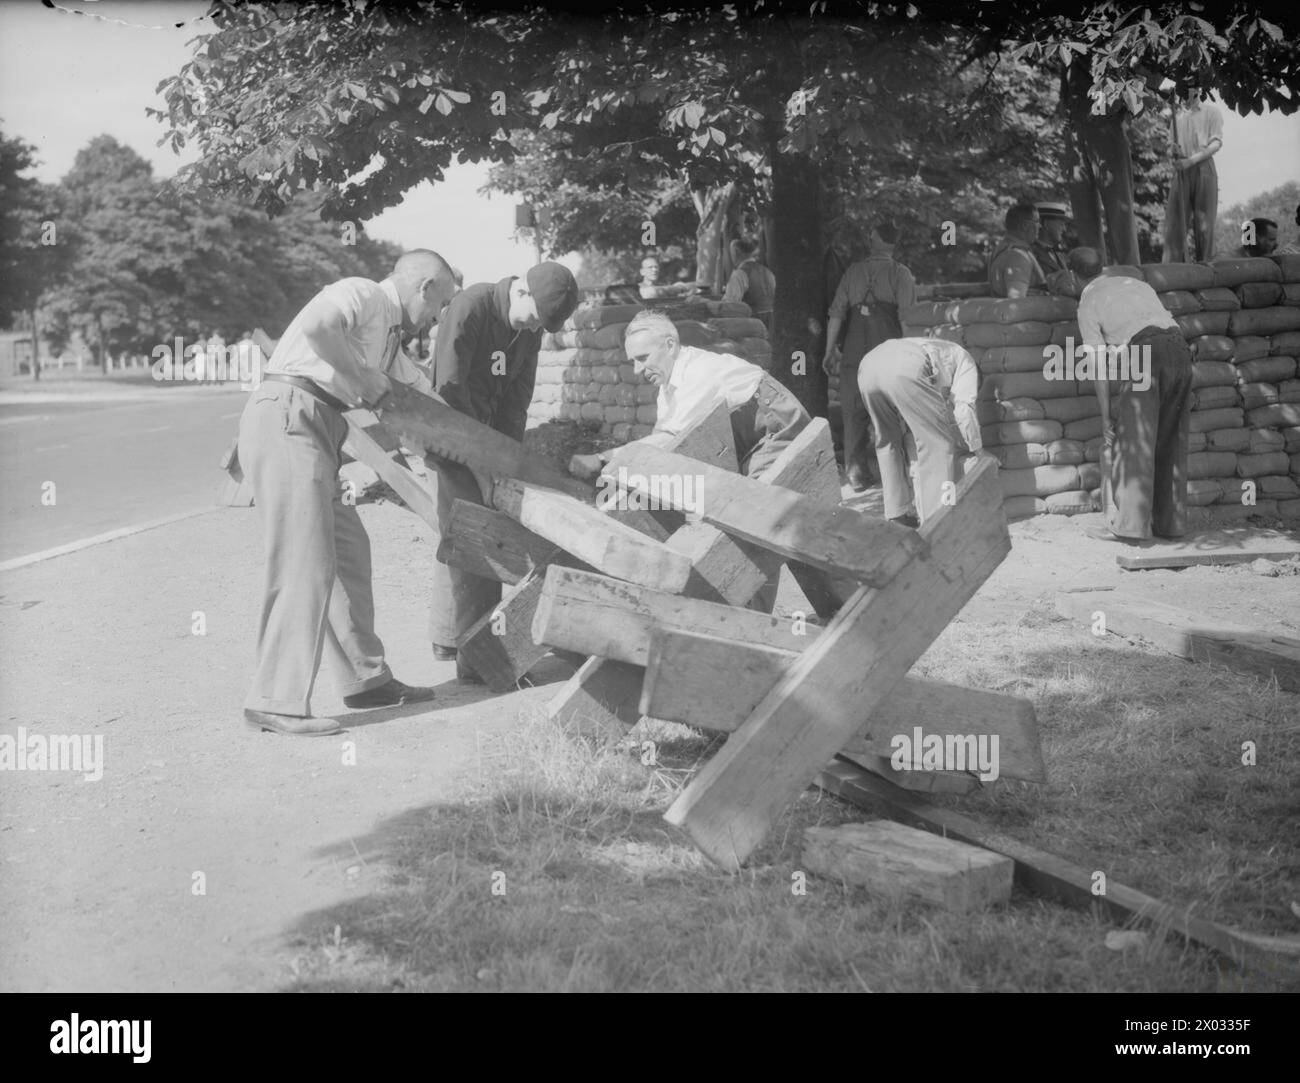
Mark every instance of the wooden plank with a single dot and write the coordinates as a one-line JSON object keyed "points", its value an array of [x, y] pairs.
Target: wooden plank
{"points": [[894, 860], [711, 441], [1050, 875], [490, 544], [681, 685], [825, 694], [1259, 654], [609, 618], [363, 447], [499, 646], [602, 695], [427, 425], [834, 539], [1230, 545], [592, 536]]}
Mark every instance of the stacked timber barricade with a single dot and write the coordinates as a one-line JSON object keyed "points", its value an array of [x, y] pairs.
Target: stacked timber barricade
{"points": [[584, 375], [1241, 318]]}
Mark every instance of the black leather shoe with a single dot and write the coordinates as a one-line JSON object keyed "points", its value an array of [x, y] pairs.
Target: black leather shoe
{"points": [[858, 480], [291, 725], [392, 694], [907, 520], [443, 654]]}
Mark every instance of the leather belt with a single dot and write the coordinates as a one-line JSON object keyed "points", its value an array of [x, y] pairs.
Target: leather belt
{"points": [[310, 386]]}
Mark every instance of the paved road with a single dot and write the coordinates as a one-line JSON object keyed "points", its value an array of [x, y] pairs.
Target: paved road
{"points": [[114, 463]]}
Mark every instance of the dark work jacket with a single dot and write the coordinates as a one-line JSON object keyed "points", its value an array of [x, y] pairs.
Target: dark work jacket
{"points": [[475, 326]]}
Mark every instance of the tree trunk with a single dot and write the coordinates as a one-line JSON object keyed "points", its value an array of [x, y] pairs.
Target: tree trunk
{"points": [[36, 347], [714, 208], [1099, 166]]}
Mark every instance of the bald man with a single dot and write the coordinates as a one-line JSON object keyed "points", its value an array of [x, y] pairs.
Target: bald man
{"points": [[339, 352]]}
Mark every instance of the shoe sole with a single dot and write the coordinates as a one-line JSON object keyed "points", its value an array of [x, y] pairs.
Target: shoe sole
{"points": [[264, 727]]}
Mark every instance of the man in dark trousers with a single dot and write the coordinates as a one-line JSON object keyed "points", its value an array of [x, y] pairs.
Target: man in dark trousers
{"points": [[485, 365], [1145, 408], [870, 296]]}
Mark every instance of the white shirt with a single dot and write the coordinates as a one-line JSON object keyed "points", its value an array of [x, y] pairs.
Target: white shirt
{"points": [[1114, 308], [700, 382], [372, 337], [958, 377]]}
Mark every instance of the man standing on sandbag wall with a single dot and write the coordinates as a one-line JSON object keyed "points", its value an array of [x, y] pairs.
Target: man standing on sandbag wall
{"points": [[870, 296], [485, 365], [927, 386], [1145, 414], [1195, 137], [1013, 268]]}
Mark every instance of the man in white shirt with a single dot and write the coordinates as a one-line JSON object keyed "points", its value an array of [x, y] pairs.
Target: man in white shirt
{"points": [[928, 386], [338, 353], [1196, 136], [1145, 412], [692, 383]]}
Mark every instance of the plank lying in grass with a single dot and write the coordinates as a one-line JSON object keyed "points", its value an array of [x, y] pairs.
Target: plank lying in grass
{"points": [[822, 699], [715, 683], [490, 544], [609, 618], [1181, 633], [1232, 545], [585, 532], [363, 447], [1047, 874], [834, 539]]}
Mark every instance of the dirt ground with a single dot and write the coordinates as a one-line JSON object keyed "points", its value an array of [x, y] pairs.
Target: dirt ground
{"points": [[98, 881]]}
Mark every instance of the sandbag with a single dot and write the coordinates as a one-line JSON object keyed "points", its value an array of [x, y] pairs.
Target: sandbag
{"points": [[1266, 369], [1233, 440], [1011, 310], [1262, 321], [1211, 464], [1262, 440], [738, 327], [1022, 507], [1269, 462], [1295, 463], [1277, 487], [1196, 324], [1196, 440], [1074, 502], [1258, 394], [608, 337], [1276, 416], [1065, 331], [1212, 348], [1180, 302], [1092, 450], [1083, 429], [1213, 374], [1071, 409], [1250, 347], [1208, 420], [728, 308], [1012, 359], [1202, 491], [1039, 480], [1288, 510], [1163, 277], [1291, 436], [1288, 391], [1218, 299], [1290, 293], [1019, 456], [596, 316], [1231, 490], [1089, 476], [1025, 409], [1124, 270], [1287, 344], [1288, 265], [1019, 385], [1259, 294], [1215, 398], [576, 374], [1023, 432], [1065, 452], [1237, 272], [1027, 333], [925, 313]]}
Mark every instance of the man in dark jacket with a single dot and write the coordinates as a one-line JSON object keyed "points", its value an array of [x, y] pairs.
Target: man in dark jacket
{"points": [[485, 365]]}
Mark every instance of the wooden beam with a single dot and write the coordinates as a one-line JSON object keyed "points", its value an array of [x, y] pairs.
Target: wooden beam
{"points": [[711, 441], [363, 447], [592, 536], [842, 678], [834, 539], [681, 685], [490, 544], [597, 615], [427, 425], [601, 695], [890, 859], [1259, 654], [1050, 875], [1232, 545], [499, 646]]}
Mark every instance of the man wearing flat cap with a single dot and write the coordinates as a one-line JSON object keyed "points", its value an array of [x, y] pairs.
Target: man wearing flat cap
{"points": [[1049, 248], [485, 365]]}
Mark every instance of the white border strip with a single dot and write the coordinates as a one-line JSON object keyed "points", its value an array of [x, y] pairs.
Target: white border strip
{"points": [[99, 539]]}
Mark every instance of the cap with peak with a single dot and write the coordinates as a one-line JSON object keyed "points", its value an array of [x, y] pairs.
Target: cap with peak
{"points": [[1052, 210], [556, 292]]}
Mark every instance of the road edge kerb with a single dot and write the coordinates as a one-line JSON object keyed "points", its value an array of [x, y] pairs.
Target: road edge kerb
{"points": [[99, 539]]}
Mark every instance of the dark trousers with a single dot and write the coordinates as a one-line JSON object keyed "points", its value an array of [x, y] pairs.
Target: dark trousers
{"points": [[1194, 201], [857, 421], [457, 598], [1144, 474], [765, 425]]}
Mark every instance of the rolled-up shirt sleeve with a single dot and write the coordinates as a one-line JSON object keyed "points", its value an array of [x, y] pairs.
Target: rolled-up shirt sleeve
{"points": [[965, 390]]}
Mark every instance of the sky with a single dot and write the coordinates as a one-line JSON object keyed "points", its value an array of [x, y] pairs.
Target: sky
{"points": [[65, 78]]}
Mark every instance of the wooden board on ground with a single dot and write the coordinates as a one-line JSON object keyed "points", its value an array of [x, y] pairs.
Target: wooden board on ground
{"points": [[1230, 545], [893, 860], [499, 647], [681, 685], [834, 539], [584, 531], [490, 544], [822, 699], [1050, 875], [1260, 654], [363, 447]]}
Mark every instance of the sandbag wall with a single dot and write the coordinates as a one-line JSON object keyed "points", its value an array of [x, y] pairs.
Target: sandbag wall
{"points": [[584, 375], [1241, 318]]}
